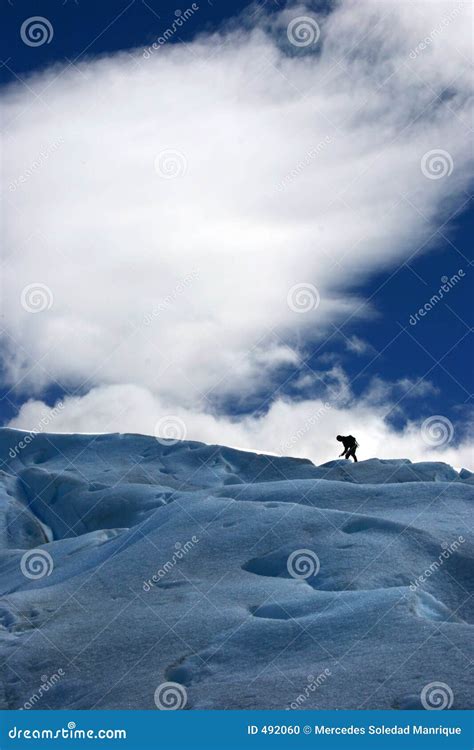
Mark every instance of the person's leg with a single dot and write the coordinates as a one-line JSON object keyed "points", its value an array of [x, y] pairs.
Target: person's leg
{"points": [[347, 454], [353, 454]]}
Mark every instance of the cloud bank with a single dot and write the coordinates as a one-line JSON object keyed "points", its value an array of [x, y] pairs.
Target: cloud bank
{"points": [[172, 215], [304, 429]]}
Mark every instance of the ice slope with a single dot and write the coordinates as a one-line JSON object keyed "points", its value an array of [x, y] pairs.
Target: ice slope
{"points": [[226, 617]]}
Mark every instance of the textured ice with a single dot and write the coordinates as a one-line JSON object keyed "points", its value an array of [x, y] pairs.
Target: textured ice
{"points": [[170, 562]]}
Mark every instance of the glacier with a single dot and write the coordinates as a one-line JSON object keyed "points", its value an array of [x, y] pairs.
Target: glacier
{"points": [[246, 580]]}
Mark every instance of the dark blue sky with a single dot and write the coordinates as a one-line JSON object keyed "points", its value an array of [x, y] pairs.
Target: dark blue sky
{"points": [[439, 347], [92, 28]]}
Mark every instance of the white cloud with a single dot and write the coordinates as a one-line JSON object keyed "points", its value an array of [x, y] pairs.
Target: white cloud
{"points": [[382, 391], [356, 345], [303, 429], [416, 388], [179, 286]]}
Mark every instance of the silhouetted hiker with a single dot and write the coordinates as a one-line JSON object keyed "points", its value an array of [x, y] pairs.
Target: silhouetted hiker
{"points": [[350, 446]]}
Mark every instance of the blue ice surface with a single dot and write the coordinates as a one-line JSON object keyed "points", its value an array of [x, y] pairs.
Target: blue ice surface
{"points": [[169, 562]]}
